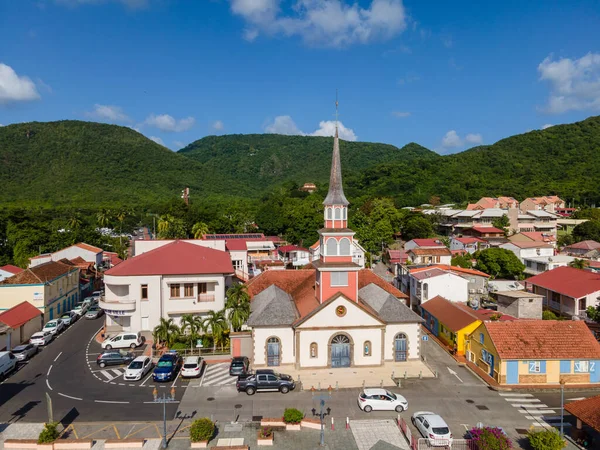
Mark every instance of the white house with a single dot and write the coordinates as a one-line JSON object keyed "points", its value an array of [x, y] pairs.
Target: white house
{"points": [[85, 251], [468, 244], [423, 243], [169, 281], [437, 255], [294, 255], [528, 249], [21, 322], [8, 271], [535, 265], [427, 284]]}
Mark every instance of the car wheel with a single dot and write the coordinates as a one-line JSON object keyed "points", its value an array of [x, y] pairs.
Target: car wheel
{"points": [[284, 389], [250, 391], [102, 364], [108, 347], [367, 409], [132, 346], [399, 409]]}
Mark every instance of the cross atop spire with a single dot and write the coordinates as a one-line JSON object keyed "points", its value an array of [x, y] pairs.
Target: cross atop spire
{"points": [[336, 196]]}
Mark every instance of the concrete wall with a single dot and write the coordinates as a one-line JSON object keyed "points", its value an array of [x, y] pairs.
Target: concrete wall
{"points": [[413, 334], [260, 337], [450, 286], [522, 308], [74, 251]]}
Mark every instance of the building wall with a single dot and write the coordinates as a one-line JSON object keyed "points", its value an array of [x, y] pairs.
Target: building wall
{"points": [[328, 318], [450, 286], [553, 371], [475, 347], [522, 308], [413, 334], [5, 274], [527, 252], [39, 260], [285, 336], [74, 251], [350, 291]]}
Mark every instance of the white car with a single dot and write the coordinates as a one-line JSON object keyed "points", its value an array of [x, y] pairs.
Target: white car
{"points": [[54, 326], [138, 368], [123, 340], [41, 338], [192, 367], [381, 400], [433, 428], [80, 310]]}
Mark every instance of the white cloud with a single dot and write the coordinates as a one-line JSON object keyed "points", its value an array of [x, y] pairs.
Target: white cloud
{"points": [[15, 88], [400, 114], [110, 113], [286, 125], [218, 125], [165, 122], [547, 125], [157, 140], [330, 23], [473, 138], [574, 83]]}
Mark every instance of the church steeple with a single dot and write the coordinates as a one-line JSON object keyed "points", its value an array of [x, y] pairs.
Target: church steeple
{"points": [[336, 196]]}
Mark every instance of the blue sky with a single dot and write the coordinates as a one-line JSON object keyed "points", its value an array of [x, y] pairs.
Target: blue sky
{"points": [[447, 75]]}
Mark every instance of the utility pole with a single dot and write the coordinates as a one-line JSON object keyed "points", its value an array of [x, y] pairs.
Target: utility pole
{"points": [[164, 400], [321, 414]]}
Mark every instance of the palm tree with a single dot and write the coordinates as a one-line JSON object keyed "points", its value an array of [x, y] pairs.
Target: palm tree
{"points": [[166, 331], [74, 222], [104, 217], [120, 216], [238, 305], [579, 263], [193, 324], [164, 225], [217, 323], [199, 229]]}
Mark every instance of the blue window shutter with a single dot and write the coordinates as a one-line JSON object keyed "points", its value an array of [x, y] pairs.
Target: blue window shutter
{"points": [[565, 366], [481, 338], [542, 366]]}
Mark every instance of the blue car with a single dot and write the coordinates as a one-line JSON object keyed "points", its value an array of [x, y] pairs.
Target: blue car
{"points": [[167, 368]]}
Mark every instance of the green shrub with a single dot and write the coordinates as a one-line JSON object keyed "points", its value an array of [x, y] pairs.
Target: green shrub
{"points": [[202, 430], [49, 433], [179, 346], [292, 415], [488, 438], [265, 432], [546, 440]]}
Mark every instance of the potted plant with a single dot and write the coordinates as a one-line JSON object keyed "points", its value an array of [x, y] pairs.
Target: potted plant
{"points": [[292, 418], [265, 436], [48, 435], [201, 431]]}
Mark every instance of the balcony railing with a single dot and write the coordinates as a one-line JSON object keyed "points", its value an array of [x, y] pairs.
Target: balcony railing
{"points": [[117, 305], [206, 297]]}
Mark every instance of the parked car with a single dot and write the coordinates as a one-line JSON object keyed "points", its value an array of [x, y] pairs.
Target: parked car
{"points": [[167, 367], [240, 365], [8, 363], [94, 312], [138, 368], [265, 380], [54, 326], [96, 295], [433, 428], [123, 340], [114, 358], [24, 352], [69, 318], [41, 338], [192, 366], [80, 309], [89, 302], [381, 400]]}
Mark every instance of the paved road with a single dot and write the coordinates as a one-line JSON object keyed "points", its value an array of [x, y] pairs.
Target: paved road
{"points": [[77, 394]]}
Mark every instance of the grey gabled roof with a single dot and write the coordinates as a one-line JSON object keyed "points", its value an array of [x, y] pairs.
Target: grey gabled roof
{"points": [[388, 308], [272, 307]]}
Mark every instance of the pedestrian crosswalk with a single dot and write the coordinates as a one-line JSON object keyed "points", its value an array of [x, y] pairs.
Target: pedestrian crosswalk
{"points": [[217, 375], [533, 409], [110, 374]]}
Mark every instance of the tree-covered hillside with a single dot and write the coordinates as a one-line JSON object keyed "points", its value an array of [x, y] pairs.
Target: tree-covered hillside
{"points": [[75, 163]]}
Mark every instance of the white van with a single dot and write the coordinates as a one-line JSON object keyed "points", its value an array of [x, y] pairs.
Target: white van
{"points": [[123, 340], [8, 363]]}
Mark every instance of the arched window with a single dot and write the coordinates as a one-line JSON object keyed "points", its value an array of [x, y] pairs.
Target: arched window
{"points": [[273, 351], [314, 350], [328, 213], [331, 247], [344, 213], [345, 247], [338, 213], [400, 347], [367, 348]]}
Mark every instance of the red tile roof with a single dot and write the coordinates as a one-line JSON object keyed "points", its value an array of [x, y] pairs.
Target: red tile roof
{"points": [[529, 244], [41, 274], [470, 240], [176, 258], [449, 314], [539, 236], [543, 339], [291, 248], [457, 269], [113, 257], [568, 281], [19, 314], [88, 247], [315, 245], [11, 269], [367, 276], [428, 242], [441, 251], [588, 411], [236, 245], [584, 245], [486, 314], [487, 230]]}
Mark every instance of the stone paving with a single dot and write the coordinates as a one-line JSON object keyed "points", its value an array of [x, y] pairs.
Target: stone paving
{"points": [[368, 433]]}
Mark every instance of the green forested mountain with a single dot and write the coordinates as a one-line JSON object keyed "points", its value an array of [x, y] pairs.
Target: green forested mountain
{"points": [[248, 165], [75, 163]]}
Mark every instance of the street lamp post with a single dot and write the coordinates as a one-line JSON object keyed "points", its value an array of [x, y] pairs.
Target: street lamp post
{"points": [[322, 413], [164, 399], [562, 406]]}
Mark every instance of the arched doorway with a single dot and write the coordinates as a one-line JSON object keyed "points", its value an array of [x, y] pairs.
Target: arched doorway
{"points": [[340, 351], [400, 347], [273, 352]]}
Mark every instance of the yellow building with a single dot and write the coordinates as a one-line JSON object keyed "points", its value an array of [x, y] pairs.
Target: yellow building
{"points": [[534, 352], [451, 322], [52, 287]]}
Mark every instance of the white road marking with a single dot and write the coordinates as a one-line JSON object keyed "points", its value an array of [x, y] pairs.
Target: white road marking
{"points": [[109, 401], [57, 356], [522, 400], [510, 394], [48, 384], [539, 411], [49, 369], [529, 405], [452, 372], [175, 380], [106, 374], [147, 378], [68, 396], [577, 398]]}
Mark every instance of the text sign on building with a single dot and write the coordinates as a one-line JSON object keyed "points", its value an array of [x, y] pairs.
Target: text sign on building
{"points": [[38, 296], [114, 313]]}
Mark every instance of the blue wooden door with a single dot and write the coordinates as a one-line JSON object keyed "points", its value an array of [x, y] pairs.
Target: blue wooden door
{"points": [[273, 352], [400, 347], [340, 351], [512, 372], [595, 371]]}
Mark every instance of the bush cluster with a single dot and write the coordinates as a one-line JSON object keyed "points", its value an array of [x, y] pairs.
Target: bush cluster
{"points": [[202, 430], [488, 438], [546, 440], [265, 432], [292, 415], [49, 433]]}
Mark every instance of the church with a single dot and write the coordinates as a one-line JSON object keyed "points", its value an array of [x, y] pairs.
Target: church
{"points": [[335, 314]]}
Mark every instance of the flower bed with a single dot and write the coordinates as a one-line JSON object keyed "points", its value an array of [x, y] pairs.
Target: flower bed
{"points": [[265, 437]]}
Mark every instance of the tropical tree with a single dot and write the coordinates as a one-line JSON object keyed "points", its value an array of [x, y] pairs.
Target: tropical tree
{"points": [[238, 305], [502, 223], [191, 325], [499, 263], [170, 227], [121, 215], [216, 322], [166, 331], [104, 216], [74, 222], [579, 263], [199, 229], [417, 227]]}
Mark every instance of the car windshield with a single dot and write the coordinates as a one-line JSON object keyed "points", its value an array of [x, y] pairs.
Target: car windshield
{"points": [[37, 335], [18, 349], [237, 364], [190, 366], [440, 430], [65, 316], [50, 325], [391, 394], [165, 364], [136, 365]]}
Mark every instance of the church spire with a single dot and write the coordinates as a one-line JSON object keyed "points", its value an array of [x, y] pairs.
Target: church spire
{"points": [[336, 196]]}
